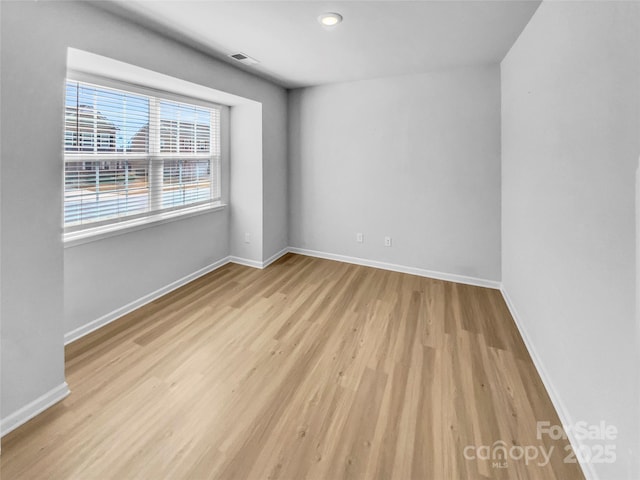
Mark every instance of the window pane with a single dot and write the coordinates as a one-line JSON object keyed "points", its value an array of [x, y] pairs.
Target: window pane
{"points": [[184, 128], [186, 181], [101, 190], [103, 120]]}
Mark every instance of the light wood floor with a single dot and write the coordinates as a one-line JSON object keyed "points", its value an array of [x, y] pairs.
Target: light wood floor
{"points": [[308, 369]]}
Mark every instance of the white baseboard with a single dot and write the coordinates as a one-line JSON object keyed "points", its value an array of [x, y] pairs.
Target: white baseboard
{"points": [[29, 411], [246, 262], [556, 400], [449, 277], [130, 307], [275, 257], [32, 409], [256, 263]]}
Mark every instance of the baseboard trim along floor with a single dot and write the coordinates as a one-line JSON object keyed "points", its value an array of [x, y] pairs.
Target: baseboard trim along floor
{"points": [[310, 368], [421, 272], [558, 404], [32, 409], [58, 393]]}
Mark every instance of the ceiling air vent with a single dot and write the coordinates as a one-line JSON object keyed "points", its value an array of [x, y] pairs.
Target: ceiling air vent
{"points": [[242, 58]]}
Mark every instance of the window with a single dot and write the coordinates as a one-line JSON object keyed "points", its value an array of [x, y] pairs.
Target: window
{"points": [[130, 156]]}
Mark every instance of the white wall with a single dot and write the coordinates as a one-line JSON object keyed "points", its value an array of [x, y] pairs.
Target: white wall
{"points": [[275, 190], [101, 276], [108, 274], [246, 185], [415, 157], [32, 261], [570, 144]]}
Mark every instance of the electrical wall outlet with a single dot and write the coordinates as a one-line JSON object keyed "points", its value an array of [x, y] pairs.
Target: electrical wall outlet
{"points": [[247, 237], [359, 237], [387, 241]]}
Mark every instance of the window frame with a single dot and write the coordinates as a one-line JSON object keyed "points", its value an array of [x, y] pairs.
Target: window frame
{"points": [[80, 233]]}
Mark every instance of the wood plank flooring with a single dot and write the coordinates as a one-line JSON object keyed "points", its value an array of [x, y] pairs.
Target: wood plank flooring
{"points": [[307, 369]]}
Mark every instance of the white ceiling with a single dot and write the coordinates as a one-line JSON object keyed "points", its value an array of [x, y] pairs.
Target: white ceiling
{"points": [[376, 38]]}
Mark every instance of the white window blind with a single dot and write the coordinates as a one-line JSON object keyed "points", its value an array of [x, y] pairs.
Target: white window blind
{"points": [[129, 156]]}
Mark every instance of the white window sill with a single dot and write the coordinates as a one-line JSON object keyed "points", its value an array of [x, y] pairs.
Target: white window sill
{"points": [[98, 233]]}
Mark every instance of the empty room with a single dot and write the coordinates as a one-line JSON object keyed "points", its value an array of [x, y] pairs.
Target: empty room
{"points": [[291, 240]]}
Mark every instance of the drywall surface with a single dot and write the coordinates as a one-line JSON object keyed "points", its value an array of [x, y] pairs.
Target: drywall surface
{"points": [[415, 158], [32, 260], [102, 276], [246, 183], [141, 262], [275, 189], [570, 146]]}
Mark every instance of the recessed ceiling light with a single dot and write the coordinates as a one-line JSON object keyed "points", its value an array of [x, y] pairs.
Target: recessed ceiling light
{"points": [[330, 19]]}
